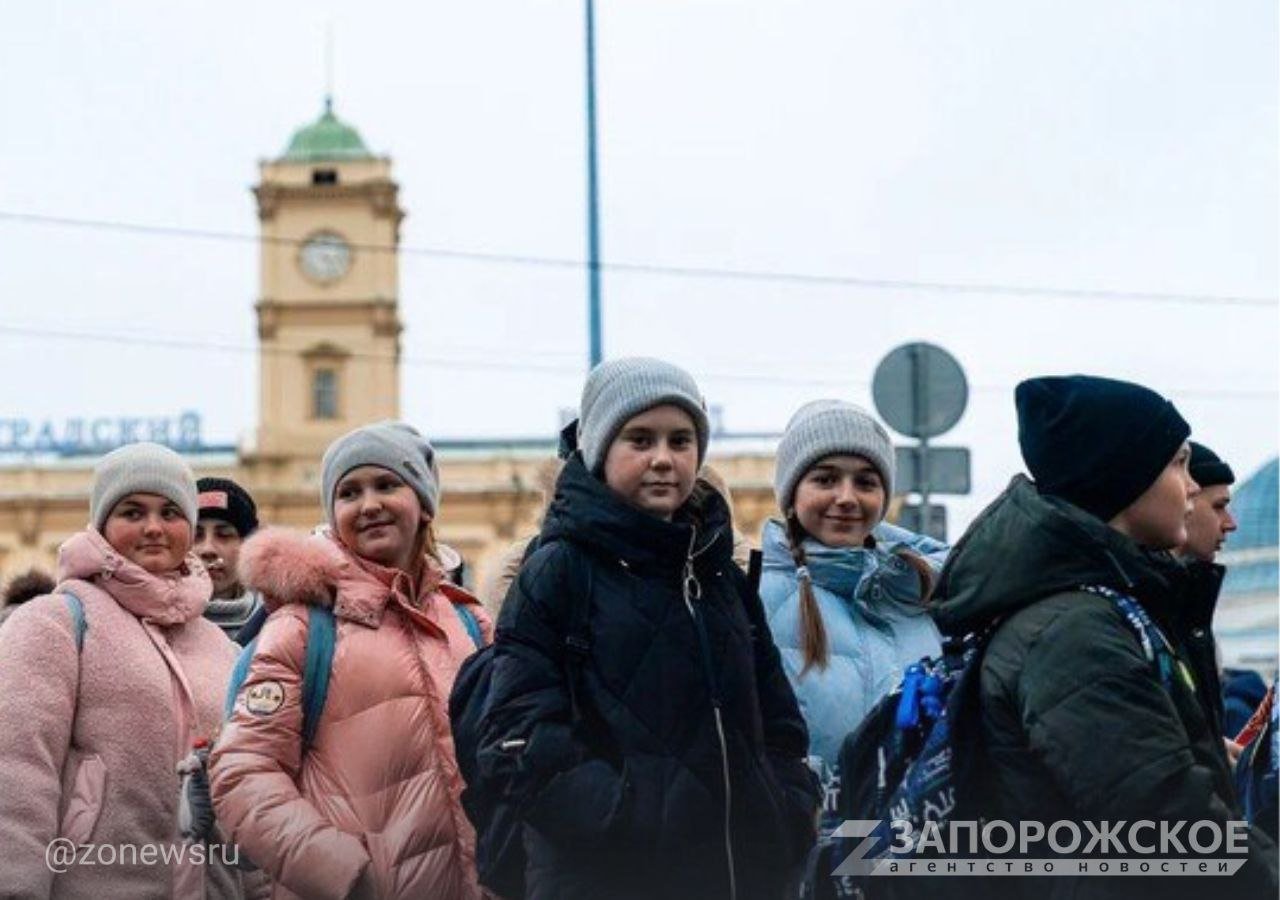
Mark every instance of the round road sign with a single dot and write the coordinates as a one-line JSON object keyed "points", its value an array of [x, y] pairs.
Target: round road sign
{"points": [[920, 390]]}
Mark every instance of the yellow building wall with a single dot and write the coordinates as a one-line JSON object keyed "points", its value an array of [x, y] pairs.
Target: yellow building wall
{"points": [[490, 499]]}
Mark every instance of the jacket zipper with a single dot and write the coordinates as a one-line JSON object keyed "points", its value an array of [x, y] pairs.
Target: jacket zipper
{"points": [[692, 590]]}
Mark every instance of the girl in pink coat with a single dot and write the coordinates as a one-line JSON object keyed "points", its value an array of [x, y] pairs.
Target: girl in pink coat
{"points": [[370, 807], [104, 686]]}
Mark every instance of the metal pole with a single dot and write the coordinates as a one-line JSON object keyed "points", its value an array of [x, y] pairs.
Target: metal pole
{"points": [[920, 411], [594, 324]]}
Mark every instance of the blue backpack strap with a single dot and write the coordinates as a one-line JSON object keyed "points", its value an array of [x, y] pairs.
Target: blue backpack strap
{"points": [[321, 638], [78, 623], [238, 674], [469, 622], [1155, 646]]}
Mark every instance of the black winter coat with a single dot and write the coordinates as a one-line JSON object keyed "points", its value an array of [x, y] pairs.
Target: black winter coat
{"points": [[636, 804], [1077, 725]]}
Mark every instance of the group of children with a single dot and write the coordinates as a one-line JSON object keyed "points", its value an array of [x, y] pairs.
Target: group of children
{"points": [[655, 722]]}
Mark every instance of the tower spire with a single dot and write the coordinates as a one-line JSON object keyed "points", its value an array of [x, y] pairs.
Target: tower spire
{"points": [[328, 67]]}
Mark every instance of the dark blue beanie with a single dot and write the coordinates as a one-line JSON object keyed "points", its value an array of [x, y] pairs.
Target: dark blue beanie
{"points": [[1095, 442], [1207, 469]]}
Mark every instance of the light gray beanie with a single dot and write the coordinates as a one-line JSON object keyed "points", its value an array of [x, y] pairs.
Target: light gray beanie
{"points": [[621, 388], [827, 428], [394, 446], [142, 468]]}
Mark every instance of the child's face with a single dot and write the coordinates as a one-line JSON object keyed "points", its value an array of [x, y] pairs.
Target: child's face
{"points": [[378, 516], [653, 461], [839, 500], [149, 530], [1158, 519]]}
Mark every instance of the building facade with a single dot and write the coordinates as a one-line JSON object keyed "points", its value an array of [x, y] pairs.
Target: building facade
{"points": [[329, 333], [1247, 623]]}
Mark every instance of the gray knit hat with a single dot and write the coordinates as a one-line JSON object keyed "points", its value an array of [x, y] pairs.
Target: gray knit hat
{"points": [[142, 468], [827, 428], [392, 445], [621, 388]]}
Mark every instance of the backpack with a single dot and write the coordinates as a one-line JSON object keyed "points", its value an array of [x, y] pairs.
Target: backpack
{"points": [[321, 640], [500, 856], [918, 755], [1257, 784]]}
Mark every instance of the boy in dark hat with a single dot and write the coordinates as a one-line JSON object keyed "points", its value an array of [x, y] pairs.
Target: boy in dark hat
{"points": [[1210, 521], [1079, 721], [227, 515], [1207, 528]]}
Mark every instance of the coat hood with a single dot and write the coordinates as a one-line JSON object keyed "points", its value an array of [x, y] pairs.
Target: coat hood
{"points": [[169, 599], [587, 510], [288, 566], [1025, 547]]}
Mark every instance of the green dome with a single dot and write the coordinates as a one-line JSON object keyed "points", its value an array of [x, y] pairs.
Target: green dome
{"points": [[327, 138]]}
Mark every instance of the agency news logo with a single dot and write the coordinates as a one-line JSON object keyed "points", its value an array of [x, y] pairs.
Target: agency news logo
{"points": [[1144, 847]]}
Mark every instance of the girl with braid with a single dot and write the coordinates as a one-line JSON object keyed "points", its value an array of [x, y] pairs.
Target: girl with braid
{"points": [[843, 591]]}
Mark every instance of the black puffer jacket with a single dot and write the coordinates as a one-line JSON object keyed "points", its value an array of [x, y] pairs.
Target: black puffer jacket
{"points": [[1193, 623], [637, 805], [1076, 722]]}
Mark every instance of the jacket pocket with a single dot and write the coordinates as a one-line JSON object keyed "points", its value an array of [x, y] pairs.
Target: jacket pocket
{"points": [[88, 789]]}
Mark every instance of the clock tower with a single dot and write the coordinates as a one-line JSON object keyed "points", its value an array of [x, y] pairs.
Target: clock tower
{"points": [[328, 319]]}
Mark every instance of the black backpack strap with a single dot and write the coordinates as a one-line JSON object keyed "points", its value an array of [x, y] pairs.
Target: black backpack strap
{"points": [[577, 638], [530, 548], [577, 635], [755, 568]]}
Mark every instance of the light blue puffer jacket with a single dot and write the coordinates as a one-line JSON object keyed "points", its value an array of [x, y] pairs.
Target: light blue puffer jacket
{"points": [[876, 626]]}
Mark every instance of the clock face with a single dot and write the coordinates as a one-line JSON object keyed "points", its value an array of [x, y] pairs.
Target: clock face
{"points": [[325, 256]]}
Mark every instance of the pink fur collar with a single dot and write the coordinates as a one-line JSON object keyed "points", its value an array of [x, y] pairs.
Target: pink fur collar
{"points": [[291, 567]]}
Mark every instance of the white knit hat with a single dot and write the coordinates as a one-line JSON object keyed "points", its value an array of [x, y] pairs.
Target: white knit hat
{"points": [[826, 428], [619, 389], [142, 468]]}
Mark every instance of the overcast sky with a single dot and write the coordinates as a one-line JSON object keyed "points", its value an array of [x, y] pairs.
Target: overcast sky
{"points": [[1125, 147]]}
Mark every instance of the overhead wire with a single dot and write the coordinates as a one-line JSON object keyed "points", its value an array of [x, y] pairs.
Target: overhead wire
{"points": [[133, 338], [667, 270]]}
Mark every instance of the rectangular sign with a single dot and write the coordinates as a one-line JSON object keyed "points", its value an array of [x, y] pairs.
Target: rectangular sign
{"points": [[909, 517], [948, 470], [80, 436]]}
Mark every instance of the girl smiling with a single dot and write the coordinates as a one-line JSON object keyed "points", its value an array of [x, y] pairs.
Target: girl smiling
{"points": [[844, 592]]}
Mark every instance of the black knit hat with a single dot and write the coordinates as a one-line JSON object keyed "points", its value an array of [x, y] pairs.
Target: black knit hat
{"points": [[1207, 469], [222, 498], [1094, 442]]}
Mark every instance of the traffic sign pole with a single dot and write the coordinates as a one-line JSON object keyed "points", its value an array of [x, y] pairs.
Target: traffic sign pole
{"points": [[920, 391]]}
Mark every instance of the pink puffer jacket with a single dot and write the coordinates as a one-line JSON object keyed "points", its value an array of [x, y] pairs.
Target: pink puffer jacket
{"points": [[375, 800], [90, 739]]}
